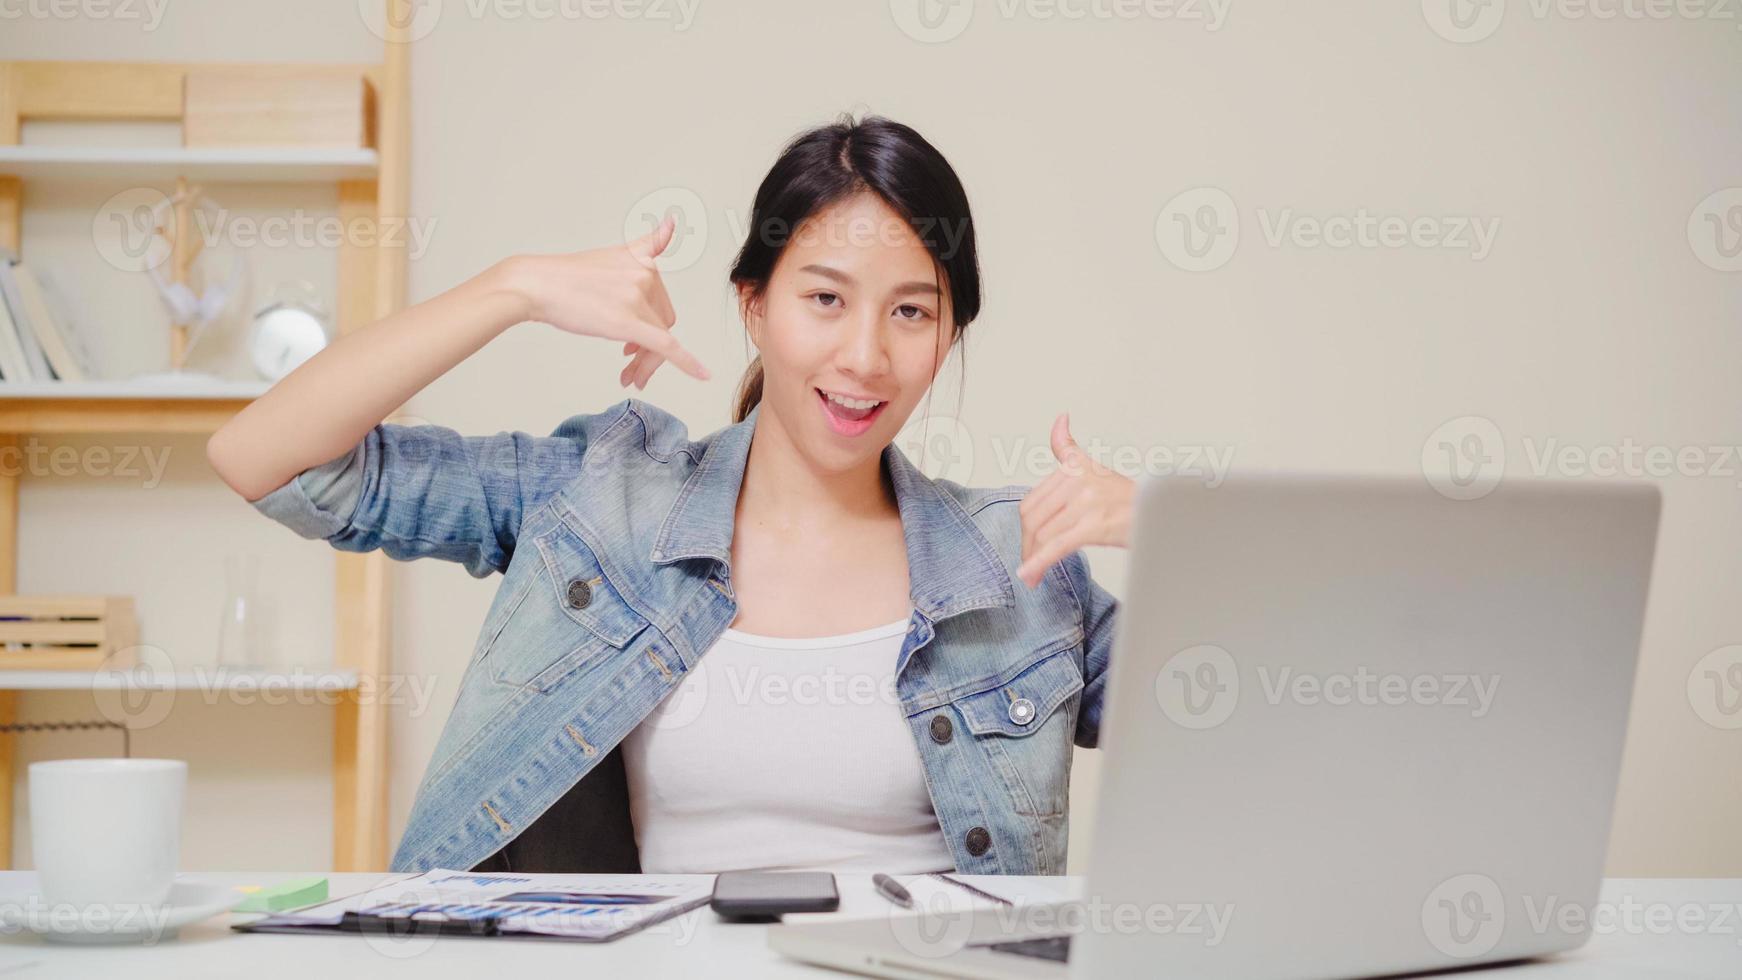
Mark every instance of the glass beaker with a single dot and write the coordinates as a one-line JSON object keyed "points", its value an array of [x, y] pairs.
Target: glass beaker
{"points": [[241, 638]]}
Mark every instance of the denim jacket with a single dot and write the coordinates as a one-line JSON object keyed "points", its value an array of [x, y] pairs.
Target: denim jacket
{"points": [[613, 536]]}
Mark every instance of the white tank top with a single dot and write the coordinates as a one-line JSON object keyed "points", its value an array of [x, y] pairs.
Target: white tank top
{"points": [[786, 754]]}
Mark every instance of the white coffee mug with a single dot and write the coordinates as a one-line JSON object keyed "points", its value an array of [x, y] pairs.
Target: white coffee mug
{"points": [[106, 831]]}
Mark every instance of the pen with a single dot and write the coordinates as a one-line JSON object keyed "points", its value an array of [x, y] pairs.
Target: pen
{"points": [[939, 875], [891, 889]]}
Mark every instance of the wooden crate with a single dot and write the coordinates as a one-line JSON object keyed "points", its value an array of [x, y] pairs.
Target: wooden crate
{"points": [[278, 106], [67, 632]]}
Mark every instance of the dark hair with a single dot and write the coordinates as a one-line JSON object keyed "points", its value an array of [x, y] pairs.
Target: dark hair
{"points": [[828, 164]]}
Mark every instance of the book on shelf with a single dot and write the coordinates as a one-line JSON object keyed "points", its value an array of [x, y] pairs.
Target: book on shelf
{"points": [[36, 344], [12, 288], [14, 366], [54, 333]]}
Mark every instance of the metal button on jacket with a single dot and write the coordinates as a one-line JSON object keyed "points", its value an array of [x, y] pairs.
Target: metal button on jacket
{"points": [[941, 729], [1021, 711], [580, 593], [979, 841]]}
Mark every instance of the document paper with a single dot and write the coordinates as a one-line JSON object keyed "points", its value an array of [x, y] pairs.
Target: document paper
{"points": [[568, 906]]}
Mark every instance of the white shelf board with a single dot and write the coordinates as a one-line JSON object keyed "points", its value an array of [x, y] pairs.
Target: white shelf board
{"points": [[212, 388], [240, 164], [203, 679]]}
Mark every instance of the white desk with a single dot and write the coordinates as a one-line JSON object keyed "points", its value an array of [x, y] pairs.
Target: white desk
{"points": [[697, 944]]}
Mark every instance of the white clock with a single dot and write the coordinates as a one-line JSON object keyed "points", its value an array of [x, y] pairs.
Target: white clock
{"points": [[288, 330]]}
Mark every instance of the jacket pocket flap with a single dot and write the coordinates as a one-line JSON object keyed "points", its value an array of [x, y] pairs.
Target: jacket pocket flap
{"points": [[583, 591], [1045, 685]]}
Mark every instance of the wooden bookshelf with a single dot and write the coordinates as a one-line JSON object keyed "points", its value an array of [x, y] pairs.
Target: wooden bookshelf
{"points": [[245, 165], [61, 407], [372, 185], [214, 679]]}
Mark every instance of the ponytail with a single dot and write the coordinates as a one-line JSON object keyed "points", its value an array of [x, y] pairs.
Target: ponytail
{"points": [[749, 390]]}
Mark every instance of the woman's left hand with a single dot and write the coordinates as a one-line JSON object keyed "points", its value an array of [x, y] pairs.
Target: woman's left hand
{"points": [[1082, 503]]}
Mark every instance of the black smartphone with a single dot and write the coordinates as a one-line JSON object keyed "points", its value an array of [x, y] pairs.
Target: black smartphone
{"points": [[761, 896]]}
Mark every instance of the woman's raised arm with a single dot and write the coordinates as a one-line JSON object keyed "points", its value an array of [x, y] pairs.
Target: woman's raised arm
{"points": [[325, 407]]}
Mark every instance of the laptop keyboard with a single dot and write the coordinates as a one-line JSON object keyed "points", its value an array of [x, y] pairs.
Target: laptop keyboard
{"points": [[1056, 948]]}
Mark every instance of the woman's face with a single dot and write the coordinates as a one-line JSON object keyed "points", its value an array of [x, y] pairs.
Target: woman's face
{"points": [[853, 313]]}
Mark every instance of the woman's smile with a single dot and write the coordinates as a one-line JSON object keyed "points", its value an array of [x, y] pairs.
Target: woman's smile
{"points": [[847, 415]]}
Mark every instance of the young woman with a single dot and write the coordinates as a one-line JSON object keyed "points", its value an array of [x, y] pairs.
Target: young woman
{"points": [[778, 645]]}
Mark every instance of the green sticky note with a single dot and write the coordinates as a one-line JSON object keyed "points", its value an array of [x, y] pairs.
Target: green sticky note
{"points": [[284, 895]]}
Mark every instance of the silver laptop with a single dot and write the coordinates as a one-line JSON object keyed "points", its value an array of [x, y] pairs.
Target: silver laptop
{"points": [[1354, 728]]}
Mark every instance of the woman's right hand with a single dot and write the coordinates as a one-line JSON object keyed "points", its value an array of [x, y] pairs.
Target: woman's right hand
{"points": [[613, 292], [609, 292]]}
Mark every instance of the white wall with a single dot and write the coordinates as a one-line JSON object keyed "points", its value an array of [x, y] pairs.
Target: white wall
{"points": [[1591, 320]]}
